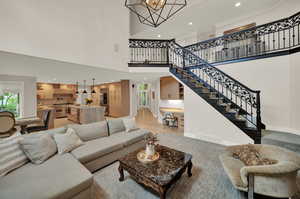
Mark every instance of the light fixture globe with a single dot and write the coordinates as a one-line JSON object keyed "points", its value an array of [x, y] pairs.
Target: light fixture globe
{"points": [[154, 12], [155, 4]]}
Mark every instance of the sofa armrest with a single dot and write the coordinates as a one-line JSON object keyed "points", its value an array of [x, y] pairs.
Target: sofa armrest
{"points": [[279, 168]]}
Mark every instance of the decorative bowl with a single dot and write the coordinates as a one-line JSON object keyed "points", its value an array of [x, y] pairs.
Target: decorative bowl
{"points": [[141, 156]]}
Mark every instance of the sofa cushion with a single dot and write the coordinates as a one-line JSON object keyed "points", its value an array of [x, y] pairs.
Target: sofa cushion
{"points": [[60, 177], [94, 149], [68, 141], [38, 147], [250, 156], [116, 126], [128, 138], [130, 124], [91, 131], [52, 132], [11, 155]]}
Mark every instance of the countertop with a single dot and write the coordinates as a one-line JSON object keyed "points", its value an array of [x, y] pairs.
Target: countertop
{"points": [[44, 108], [86, 107], [171, 110]]}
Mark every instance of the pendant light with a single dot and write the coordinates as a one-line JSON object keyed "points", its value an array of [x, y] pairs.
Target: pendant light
{"points": [[93, 88], [84, 86], [77, 88]]}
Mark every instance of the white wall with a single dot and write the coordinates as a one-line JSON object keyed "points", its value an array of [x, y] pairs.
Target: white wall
{"points": [[272, 77], [28, 93], [93, 32], [202, 121], [295, 92]]}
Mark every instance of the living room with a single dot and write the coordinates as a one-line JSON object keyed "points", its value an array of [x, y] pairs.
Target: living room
{"points": [[149, 99]]}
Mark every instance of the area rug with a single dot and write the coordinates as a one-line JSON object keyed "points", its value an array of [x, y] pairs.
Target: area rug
{"points": [[209, 180]]}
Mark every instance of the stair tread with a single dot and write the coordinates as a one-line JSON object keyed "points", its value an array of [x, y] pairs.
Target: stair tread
{"points": [[224, 105]]}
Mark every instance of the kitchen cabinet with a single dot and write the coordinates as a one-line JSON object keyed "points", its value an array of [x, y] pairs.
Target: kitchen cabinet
{"points": [[170, 89], [57, 93], [115, 97], [45, 91]]}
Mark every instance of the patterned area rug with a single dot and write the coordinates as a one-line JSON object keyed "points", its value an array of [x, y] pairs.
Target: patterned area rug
{"points": [[209, 180]]}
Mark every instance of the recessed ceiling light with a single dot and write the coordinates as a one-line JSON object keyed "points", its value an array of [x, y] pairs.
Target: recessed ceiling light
{"points": [[158, 36], [190, 23], [238, 4]]}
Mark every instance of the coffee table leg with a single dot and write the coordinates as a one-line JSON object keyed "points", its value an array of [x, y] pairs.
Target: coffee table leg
{"points": [[162, 193], [121, 171], [190, 166]]}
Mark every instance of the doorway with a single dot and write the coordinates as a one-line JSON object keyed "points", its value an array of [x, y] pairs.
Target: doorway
{"points": [[143, 96]]}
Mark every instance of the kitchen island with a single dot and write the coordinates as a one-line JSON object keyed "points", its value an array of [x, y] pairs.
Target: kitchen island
{"points": [[85, 114]]}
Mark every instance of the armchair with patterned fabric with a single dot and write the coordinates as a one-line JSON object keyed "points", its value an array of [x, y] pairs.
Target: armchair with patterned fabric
{"points": [[274, 174]]}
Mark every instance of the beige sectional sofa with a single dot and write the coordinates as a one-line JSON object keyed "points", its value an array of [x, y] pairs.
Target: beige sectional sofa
{"points": [[68, 176]]}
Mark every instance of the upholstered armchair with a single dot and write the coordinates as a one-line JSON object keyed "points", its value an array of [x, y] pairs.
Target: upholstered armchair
{"points": [[276, 180]]}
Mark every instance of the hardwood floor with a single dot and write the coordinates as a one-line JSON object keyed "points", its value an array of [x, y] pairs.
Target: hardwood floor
{"points": [[144, 119]]}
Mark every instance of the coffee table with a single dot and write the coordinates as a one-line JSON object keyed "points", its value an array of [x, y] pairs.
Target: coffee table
{"points": [[159, 175]]}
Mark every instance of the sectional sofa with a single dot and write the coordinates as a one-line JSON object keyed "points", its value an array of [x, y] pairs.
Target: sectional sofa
{"points": [[69, 176]]}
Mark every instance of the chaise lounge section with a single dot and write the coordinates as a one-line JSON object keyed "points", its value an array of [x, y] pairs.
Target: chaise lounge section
{"points": [[68, 176]]}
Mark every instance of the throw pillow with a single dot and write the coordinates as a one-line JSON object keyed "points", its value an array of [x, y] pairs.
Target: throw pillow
{"points": [[38, 147], [11, 155], [251, 157], [68, 141], [91, 131], [115, 126], [130, 124]]}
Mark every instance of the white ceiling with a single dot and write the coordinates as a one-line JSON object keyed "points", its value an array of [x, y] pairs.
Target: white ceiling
{"points": [[204, 14], [53, 71]]}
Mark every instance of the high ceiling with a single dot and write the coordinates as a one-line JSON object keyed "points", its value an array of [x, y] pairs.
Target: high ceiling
{"points": [[53, 71], [204, 15]]}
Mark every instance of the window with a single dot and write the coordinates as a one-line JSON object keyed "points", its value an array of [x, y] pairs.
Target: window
{"points": [[10, 101]]}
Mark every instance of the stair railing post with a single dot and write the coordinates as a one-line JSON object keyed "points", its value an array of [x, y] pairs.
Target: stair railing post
{"points": [[168, 59], [183, 58], [258, 118]]}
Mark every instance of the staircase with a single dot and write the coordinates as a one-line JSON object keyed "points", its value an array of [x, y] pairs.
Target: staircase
{"points": [[235, 101]]}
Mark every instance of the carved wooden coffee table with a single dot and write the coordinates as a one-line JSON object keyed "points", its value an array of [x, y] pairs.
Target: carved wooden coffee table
{"points": [[160, 175]]}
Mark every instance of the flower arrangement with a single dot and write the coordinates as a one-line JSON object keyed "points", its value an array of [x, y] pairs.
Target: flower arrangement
{"points": [[150, 146], [151, 140], [88, 101]]}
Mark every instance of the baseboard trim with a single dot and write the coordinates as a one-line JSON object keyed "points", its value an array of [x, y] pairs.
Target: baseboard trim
{"points": [[204, 137], [283, 130]]}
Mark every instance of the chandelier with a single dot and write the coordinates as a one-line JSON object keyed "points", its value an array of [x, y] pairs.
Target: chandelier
{"points": [[154, 12]]}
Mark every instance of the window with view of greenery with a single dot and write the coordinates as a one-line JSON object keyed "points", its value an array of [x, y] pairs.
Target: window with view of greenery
{"points": [[10, 102]]}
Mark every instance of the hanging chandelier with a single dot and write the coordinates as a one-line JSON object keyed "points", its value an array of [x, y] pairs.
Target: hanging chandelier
{"points": [[154, 12]]}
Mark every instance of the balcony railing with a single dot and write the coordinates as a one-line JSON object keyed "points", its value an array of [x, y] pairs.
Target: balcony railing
{"points": [[266, 39], [149, 52]]}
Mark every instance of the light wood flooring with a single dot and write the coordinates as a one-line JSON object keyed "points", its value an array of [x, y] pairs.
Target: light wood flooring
{"points": [[144, 119]]}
